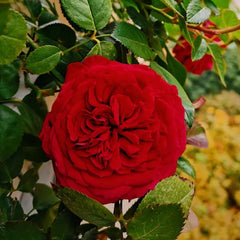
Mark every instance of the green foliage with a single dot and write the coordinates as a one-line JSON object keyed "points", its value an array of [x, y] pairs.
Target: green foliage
{"points": [[172, 190], [9, 139], [43, 59], [88, 14], [86, 208], [35, 52], [134, 39], [13, 30], [157, 222]]}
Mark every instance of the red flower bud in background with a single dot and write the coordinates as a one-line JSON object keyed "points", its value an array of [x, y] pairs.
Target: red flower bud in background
{"points": [[115, 130], [183, 54]]}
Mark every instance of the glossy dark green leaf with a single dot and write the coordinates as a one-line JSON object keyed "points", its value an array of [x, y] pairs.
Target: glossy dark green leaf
{"points": [[157, 222], [10, 209], [28, 180], [92, 234], [45, 218], [131, 4], [32, 123], [113, 233], [11, 167], [9, 80], [88, 14], [20, 230], [188, 106], [46, 81], [172, 190], [65, 226], [134, 39], [184, 165], [34, 7], [85, 207], [187, 35], [211, 5], [44, 197], [199, 49], [39, 106], [32, 149], [197, 13], [11, 132], [57, 34], [43, 59], [105, 49], [176, 69], [218, 61], [137, 18], [13, 31], [46, 17]]}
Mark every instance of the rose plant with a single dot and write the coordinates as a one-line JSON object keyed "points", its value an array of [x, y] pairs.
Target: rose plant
{"points": [[117, 128]]}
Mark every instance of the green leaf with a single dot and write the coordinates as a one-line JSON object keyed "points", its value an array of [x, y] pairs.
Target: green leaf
{"points": [[46, 81], [39, 106], [221, 3], [134, 39], [173, 5], [170, 190], [32, 123], [43, 59], [13, 32], [32, 149], [34, 7], [21, 230], [218, 61], [113, 233], [196, 13], [199, 49], [176, 69], [85, 207], [28, 180], [88, 14], [210, 4], [11, 132], [92, 234], [105, 49], [189, 109], [196, 136], [131, 4], [65, 225], [46, 17], [184, 165], [9, 80], [57, 34], [45, 218], [10, 209], [157, 222], [44, 197], [11, 167], [137, 18], [187, 35]]}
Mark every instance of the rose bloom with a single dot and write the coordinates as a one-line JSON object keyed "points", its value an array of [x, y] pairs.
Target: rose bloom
{"points": [[183, 54], [115, 130]]}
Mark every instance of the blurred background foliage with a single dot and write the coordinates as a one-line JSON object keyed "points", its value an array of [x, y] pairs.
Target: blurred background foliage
{"points": [[217, 183]]}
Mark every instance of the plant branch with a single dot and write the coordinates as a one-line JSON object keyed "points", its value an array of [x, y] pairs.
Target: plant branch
{"points": [[32, 43], [151, 7], [75, 46], [214, 31], [11, 100]]}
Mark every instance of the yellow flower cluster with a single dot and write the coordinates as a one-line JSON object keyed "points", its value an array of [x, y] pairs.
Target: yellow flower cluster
{"points": [[217, 183]]}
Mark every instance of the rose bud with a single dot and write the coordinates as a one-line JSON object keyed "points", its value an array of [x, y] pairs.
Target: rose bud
{"points": [[182, 53], [115, 130]]}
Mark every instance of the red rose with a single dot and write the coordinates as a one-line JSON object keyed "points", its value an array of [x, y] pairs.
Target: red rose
{"points": [[183, 54], [115, 130]]}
